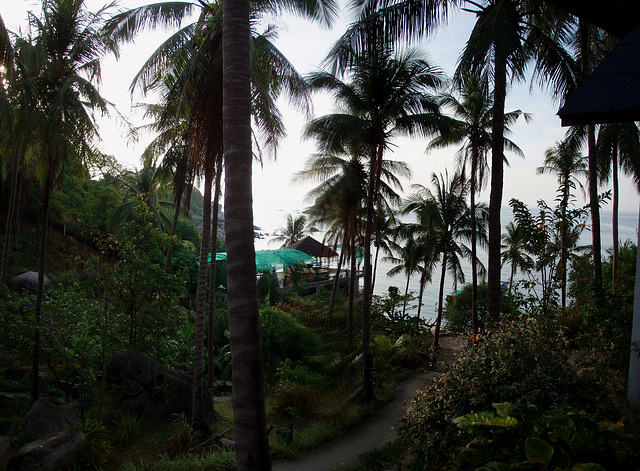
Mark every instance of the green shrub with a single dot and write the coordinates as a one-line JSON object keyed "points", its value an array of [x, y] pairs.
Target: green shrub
{"points": [[524, 362], [550, 440], [284, 338], [457, 311]]}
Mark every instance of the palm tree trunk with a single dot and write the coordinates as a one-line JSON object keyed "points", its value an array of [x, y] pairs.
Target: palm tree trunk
{"points": [[497, 176], [474, 252], [423, 282], [614, 223], [7, 231], [249, 416], [375, 269], [353, 281], [336, 281], [48, 188], [366, 295], [197, 414], [436, 337], [212, 273], [406, 294], [593, 166], [174, 225]]}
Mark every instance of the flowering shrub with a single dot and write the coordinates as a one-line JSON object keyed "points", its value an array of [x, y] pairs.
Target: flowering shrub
{"points": [[524, 362]]}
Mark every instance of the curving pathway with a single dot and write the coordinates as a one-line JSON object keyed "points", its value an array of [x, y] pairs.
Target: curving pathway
{"points": [[377, 431]]}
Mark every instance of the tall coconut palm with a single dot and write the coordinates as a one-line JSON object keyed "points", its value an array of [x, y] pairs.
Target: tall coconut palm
{"points": [[568, 165], [617, 146], [192, 59], [444, 222], [514, 252], [388, 94], [507, 35], [474, 109], [406, 258], [61, 59], [294, 231], [336, 204]]}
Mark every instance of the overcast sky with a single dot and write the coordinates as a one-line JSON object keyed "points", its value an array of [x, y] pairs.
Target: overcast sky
{"points": [[306, 45]]}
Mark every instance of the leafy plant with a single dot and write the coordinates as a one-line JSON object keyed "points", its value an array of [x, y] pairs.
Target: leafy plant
{"points": [[552, 440], [525, 362]]}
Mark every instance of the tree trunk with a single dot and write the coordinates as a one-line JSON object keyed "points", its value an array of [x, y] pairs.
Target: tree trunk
{"points": [[474, 252], [249, 417], [495, 197], [197, 415], [212, 273], [353, 281], [375, 269], [593, 166], [406, 294], [614, 223], [423, 282], [174, 226], [48, 188], [7, 231], [336, 282], [436, 336]]}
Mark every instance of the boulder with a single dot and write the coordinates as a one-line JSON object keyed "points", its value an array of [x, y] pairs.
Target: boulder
{"points": [[130, 398], [45, 418], [50, 453], [5, 452], [133, 366], [29, 281], [173, 396]]}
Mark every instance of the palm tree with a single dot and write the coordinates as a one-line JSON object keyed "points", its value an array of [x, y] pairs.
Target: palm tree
{"points": [[336, 204], [475, 112], [514, 252], [444, 224], [190, 63], [146, 185], [617, 146], [295, 230], [61, 62], [406, 262], [563, 161], [507, 35], [388, 94]]}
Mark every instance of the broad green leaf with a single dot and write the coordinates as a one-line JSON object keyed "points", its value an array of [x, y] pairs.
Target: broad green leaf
{"points": [[588, 467], [485, 419], [494, 466], [538, 451], [504, 409]]}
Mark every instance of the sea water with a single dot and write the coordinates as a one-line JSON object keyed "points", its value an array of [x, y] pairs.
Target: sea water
{"points": [[267, 222]]}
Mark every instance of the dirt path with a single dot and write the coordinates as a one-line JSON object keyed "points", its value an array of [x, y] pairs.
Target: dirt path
{"points": [[342, 453]]}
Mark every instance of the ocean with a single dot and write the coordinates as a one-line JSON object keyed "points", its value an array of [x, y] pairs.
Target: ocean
{"points": [[269, 221]]}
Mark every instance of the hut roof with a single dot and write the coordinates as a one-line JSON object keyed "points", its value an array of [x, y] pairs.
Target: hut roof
{"points": [[312, 247], [611, 93]]}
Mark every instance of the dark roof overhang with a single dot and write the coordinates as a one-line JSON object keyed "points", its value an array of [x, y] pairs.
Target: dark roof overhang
{"points": [[611, 93]]}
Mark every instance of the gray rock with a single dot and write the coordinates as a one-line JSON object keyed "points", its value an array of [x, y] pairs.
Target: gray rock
{"points": [[5, 452], [133, 366], [49, 453], [29, 281], [130, 398], [45, 418]]}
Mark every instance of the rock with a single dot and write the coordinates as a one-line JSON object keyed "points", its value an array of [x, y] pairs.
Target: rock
{"points": [[29, 281], [50, 453], [130, 398], [173, 395], [5, 452], [133, 366], [45, 418]]}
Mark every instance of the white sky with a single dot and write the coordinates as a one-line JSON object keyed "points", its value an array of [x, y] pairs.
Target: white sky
{"points": [[306, 45]]}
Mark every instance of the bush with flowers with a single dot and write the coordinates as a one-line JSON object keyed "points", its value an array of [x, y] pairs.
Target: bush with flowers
{"points": [[524, 362]]}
